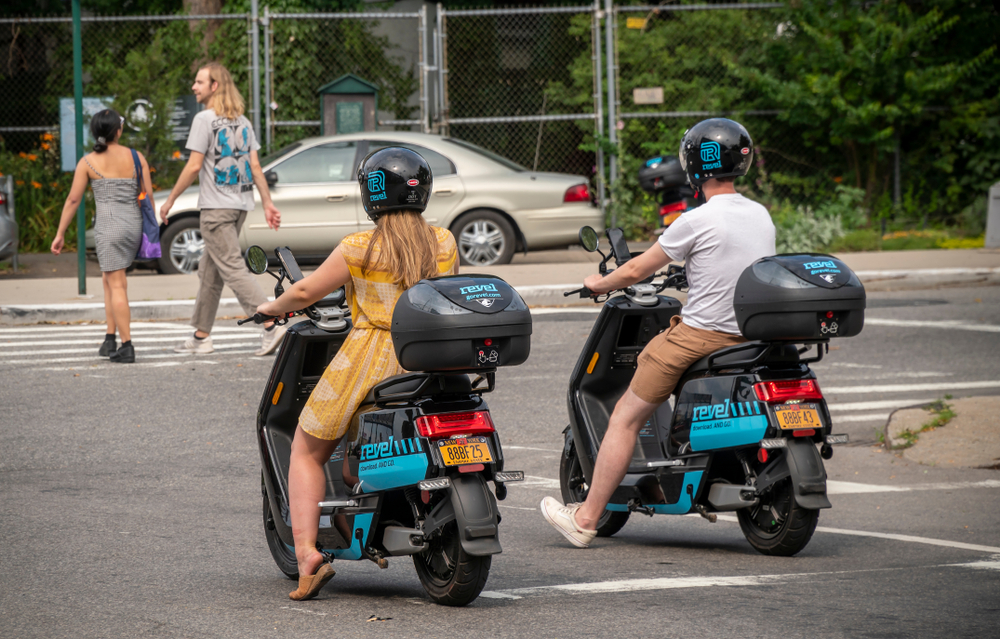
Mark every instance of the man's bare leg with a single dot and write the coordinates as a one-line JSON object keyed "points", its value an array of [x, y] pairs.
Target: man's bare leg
{"points": [[614, 456]]}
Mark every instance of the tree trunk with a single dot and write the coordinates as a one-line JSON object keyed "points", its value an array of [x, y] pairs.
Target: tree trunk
{"points": [[204, 7]]}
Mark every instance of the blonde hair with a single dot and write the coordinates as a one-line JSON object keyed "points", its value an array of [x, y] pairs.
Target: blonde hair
{"points": [[226, 101], [405, 245]]}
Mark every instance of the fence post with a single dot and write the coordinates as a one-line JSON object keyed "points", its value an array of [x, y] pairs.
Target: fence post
{"points": [[609, 32], [255, 66], [598, 104], [268, 93], [81, 211], [445, 106], [422, 53]]}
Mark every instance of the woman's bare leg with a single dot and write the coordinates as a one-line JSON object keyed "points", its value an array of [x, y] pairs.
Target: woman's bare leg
{"points": [[306, 488], [119, 303], [108, 313]]}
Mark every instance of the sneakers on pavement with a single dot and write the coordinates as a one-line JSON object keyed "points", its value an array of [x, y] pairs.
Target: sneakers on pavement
{"points": [[195, 345], [269, 340], [561, 518]]}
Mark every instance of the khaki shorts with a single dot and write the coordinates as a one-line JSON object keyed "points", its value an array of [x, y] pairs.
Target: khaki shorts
{"points": [[670, 353]]}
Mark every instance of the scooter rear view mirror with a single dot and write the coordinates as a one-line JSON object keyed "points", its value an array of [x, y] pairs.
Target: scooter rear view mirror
{"points": [[256, 259], [589, 239]]}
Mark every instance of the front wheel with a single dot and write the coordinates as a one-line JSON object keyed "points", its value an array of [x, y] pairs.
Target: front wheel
{"points": [[484, 238], [284, 555], [777, 525], [181, 245], [449, 575], [574, 490]]}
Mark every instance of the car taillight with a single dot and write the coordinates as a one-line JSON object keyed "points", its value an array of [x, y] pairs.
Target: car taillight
{"points": [[3, 198], [439, 426], [667, 209], [783, 391], [578, 193]]}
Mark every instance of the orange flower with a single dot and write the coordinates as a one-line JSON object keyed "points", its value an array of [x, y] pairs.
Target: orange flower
{"points": [[54, 185], [176, 155], [47, 137], [45, 146], [838, 179], [22, 154], [19, 182], [152, 169], [32, 157], [37, 185]]}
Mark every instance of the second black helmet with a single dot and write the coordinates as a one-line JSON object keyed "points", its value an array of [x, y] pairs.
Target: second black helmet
{"points": [[715, 148], [394, 179]]}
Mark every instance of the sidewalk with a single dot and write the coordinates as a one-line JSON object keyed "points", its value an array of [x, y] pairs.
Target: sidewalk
{"points": [[970, 440], [541, 278]]}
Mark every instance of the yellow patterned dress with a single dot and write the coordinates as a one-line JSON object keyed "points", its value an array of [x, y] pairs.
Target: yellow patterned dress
{"points": [[366, 357]]}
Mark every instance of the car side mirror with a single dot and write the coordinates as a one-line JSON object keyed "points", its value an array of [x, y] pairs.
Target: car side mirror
{"points": [[256, 259], [271, 178], [589, 239]]}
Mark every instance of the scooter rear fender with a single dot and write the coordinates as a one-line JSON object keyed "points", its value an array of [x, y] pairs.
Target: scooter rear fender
{"points": [[802, 462], [476, 514]]}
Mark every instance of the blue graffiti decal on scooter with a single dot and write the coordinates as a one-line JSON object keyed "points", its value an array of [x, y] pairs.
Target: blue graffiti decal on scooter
{"points": [[391, 464], [727, 424]]}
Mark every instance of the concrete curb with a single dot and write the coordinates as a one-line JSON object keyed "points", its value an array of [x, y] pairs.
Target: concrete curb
{"points": [[534, 295]]}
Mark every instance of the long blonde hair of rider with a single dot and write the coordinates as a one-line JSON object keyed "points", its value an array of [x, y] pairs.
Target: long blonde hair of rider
{"points": [[226, 101], [405, 245]]}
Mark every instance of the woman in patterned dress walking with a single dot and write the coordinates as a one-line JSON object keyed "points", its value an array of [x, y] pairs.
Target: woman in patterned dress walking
{"points": [[110, 170], [377, 267]]}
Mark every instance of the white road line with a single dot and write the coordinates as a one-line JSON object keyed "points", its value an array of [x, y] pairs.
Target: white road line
{"points": [[138, 350], [955, 325], [544, 450], [847, 487], [868, 417], [910, 388], [980, 565], [91, 341], [909, 538], [889, 403], [137, 327], [557, 310], [634, 585], [542, 482], [95, 360]]}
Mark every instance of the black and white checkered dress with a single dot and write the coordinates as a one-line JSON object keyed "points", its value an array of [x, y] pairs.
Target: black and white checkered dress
{"points": [[118, 223]]}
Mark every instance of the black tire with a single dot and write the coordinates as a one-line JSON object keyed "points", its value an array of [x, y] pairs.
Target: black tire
{"points": [[447, 573], [484, 238], [181, 245], [283, 555], [777, 525], [574, 490]]}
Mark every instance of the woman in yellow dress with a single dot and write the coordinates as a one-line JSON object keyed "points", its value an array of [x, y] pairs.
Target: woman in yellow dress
{"points": [[377, 267]]}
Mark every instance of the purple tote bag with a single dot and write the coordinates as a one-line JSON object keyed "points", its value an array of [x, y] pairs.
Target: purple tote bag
{"points": [[149, 248]]}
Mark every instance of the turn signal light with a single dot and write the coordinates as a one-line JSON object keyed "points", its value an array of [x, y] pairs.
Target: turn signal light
{"points": [[676, 207], [783, 391], [441, 426], [578, 193]]}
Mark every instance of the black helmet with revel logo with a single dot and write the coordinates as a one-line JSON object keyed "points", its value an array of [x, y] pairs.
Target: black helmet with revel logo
{"points": [[715, 148], [394, 179]]}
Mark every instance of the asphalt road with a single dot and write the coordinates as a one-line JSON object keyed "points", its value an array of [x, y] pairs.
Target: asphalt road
{"points": [[130, 505]]}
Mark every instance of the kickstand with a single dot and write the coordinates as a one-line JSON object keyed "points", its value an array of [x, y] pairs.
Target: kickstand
{"points": [[711, 517]]}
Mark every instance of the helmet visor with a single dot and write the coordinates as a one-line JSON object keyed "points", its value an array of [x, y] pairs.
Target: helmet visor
{"points": [[681, 154]]}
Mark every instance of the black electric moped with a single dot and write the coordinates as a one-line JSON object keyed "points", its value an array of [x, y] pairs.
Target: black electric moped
{"points": [[741, 430], [410, 477]]}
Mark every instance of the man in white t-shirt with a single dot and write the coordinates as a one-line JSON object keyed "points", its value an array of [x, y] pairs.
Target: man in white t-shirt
{"points": [[717, 241], [223, 157]]}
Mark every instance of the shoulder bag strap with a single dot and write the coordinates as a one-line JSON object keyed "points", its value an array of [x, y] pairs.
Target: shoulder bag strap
{"points": [[138, 174]]}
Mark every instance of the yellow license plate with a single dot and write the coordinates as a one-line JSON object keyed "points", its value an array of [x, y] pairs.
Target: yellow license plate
{"points": [[797, 416], [467, 450]]}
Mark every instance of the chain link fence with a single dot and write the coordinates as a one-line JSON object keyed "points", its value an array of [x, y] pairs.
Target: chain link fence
{"points": [[507, 84]]}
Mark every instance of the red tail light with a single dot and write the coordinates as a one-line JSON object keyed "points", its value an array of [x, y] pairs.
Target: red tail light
{"points": [[667, 209], [578, 193], [781, 392], [440, 426], [3, 198]]}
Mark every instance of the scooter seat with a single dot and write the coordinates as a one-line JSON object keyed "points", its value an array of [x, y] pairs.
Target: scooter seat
{"points": [[741, 354], [411, 382]]}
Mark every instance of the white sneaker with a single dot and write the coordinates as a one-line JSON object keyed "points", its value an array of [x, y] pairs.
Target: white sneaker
{"points": [[195, 345], [561, 518], [269, 340]]}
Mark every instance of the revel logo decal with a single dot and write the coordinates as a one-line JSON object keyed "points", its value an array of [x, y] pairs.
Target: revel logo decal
{"points": [[376, 185], [476, 293], [815, 268], [725, 410], [390, 449], [711, 155], [465, 290]]}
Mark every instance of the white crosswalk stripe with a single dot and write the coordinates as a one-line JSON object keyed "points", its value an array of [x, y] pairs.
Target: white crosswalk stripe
{"points": [[77, 344]]}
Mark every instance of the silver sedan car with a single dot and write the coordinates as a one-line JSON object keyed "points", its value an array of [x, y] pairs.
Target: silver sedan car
{"points": [[493, 206]]}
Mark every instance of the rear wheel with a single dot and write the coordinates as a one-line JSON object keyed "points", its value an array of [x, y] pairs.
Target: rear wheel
{"points": [[574, 490], [182, 246], [449, 575], [777, 525], [283, 554], [484, 238]]}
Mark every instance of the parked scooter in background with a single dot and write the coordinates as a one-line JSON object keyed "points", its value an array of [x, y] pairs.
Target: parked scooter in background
{"points": [[410, 477], [663, 178], [741, 430]]}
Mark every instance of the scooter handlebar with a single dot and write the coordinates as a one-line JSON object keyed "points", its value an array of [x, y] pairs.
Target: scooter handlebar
{"points": [[584, 293], [259, 318]]}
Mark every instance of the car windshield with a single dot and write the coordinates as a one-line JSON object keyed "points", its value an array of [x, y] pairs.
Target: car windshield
{"points": [[499, 159], [280, 153]]}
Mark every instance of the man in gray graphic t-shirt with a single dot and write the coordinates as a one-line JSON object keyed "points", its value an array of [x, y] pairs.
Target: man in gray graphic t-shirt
{"points": [[224, 158]]}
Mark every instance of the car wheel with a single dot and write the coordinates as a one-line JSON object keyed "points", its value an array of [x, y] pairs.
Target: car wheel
{"points": [[484, 238], [182, 246]]}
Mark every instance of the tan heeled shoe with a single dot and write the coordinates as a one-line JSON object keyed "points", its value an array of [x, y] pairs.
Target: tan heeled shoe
{"points": [[310, 585]]}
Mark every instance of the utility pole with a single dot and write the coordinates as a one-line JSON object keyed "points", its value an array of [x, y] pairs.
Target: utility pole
{"points": [[81, 212], [255, 67], [609, 33]]}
